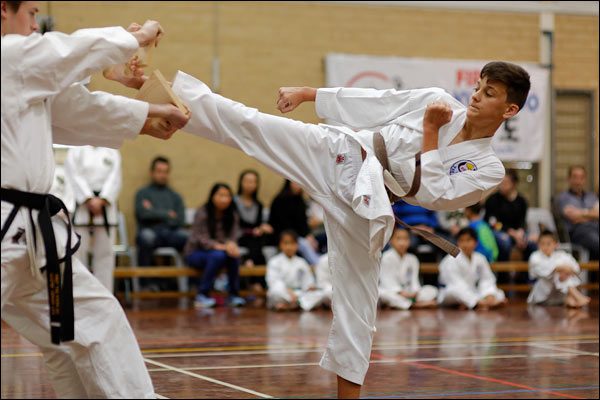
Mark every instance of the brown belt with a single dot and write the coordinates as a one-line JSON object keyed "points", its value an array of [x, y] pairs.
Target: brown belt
{"points": [[381, 155]]}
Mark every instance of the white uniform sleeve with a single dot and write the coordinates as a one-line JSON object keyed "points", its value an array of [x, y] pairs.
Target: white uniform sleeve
{"points": [[112, 185], [441, 191], [368, 108], [98, 119], [448, 272], [81, 188], [275, 278], [568, 260], [47, 64], [487, 279], [308, 278], [415, 284], [540, 266]]}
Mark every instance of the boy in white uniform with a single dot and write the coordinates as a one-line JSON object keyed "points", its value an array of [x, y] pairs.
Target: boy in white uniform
{"points": [[457, 167], [556, 274], [399, 285], [94, 173], [290, 280], [99, 356], [468, 280]]}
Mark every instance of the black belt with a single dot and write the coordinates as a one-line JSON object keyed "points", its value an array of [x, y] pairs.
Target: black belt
{"points": [[60, 296]]}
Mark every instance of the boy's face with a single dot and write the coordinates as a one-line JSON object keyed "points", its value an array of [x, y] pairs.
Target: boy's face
{"points": [[288, 246], [22, 22], [467, 244], [400, 241], [488, 102], [547, 245]]}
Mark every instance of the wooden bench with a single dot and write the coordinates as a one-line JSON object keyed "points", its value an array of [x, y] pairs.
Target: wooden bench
{"points": [[260, 270]]}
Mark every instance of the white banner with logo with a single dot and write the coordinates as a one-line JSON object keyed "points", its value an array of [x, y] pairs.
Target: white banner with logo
{"points": [[520, 138]]}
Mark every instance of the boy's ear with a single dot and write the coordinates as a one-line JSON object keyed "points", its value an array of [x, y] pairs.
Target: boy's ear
{"points": [[510, 111]]}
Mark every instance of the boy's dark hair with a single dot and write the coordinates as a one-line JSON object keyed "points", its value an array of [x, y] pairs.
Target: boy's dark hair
{"points": [[513, 76], [548, 233], [159, 159], [289, 232], [467, 231], [14, 5], [475, 208]]}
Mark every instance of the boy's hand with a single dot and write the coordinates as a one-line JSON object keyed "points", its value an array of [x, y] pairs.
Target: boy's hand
{"points": [[437, 115], [292, 97]]}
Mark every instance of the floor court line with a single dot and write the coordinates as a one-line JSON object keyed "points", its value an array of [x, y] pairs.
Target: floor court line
{"points": [[566, 350], [160, 396], [485, 378], [379, 359], [497, 392], [206, 378], [182, 353]]}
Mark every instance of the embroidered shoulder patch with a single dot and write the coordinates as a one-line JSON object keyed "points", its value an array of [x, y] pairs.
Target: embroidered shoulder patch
{"points": [[462, 166]]}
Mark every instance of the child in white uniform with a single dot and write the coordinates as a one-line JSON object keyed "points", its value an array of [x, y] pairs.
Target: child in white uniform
{"points": [[399, 285], [290, 280], [468, 280], [556, 274]]}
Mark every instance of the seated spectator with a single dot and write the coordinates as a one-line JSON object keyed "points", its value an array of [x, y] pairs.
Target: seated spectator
{"points": [[505, 212], [288, 211], [290, 280], [422, 218], [250, 210], [160, 214], [579, 211], [486, 242], [323, 275], [213, 245], [556, 274], [399, 285], [467, 280]]}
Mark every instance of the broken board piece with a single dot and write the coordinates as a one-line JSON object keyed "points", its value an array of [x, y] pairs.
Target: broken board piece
{"points": [[156, 90]]}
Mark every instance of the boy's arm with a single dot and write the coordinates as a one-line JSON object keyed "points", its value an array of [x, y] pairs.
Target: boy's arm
{"points": [[356, 107]]}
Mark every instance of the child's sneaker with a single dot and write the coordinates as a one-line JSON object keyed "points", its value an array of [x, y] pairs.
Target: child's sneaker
{"points": [[203, 301], [236, 301]]}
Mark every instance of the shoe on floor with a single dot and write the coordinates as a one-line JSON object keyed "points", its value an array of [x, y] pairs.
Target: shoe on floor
{"points": [[203, 301], [236, 301]]}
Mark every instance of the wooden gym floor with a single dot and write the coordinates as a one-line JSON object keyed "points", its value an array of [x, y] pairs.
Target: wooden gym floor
{"points": [[515, 352]]}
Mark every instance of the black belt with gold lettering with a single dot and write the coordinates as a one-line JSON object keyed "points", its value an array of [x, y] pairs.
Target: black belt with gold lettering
{"points": [[60, 291]]}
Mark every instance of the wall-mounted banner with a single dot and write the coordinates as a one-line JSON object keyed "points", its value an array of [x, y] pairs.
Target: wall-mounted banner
{"points": [[521, 138]]}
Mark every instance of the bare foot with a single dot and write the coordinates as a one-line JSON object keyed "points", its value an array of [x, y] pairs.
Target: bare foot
{"points": [[425, 304], [571, 302], [125, 75]]}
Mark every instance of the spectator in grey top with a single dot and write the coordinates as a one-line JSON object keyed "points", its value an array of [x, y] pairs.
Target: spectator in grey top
{"points": [[160, 214], [579, 211]]}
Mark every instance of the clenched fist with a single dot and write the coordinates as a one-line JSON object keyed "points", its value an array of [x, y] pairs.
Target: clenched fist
{"points": [[437, 114]]}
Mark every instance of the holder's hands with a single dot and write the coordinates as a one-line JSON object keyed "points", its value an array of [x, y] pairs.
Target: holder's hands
{"points": [[170, 119]]}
